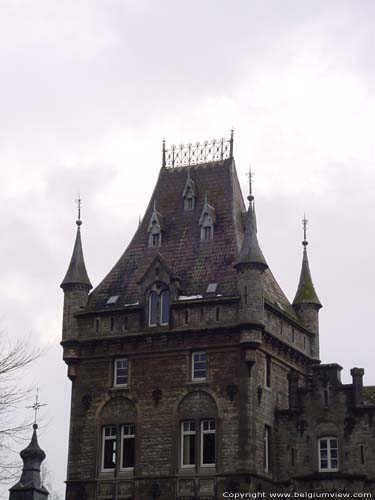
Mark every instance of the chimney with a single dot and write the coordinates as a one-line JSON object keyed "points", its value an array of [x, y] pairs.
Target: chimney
{"points": [[357, 376]]}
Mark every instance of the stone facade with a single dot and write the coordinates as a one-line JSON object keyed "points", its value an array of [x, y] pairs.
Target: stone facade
{"points": [[262, 394]]}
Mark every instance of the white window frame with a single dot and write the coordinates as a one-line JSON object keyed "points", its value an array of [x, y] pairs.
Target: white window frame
{"points": [[123, 438], [203, 432], [187, 433], [108, 438], [121, 368], [329, 468], [192, 366]]}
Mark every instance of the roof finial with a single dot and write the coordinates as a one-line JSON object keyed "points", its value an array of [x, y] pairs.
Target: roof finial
{"points": [[304, 224], [36, 407], [250, 175], [79, 205]]}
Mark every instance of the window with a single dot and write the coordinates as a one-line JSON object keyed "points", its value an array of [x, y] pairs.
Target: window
{"points": [[208, 433], [267, 448], [109, 448], [121, 376], [112, 323], [362, 450], [267, 371], [188, 438], [189, 202], [186, 316], [158, 308], [110, 457], [97, 325], [155, 240], [127, 446], [206, 233], [199, 366], [164, 306], [328, 454], [217, 313]]}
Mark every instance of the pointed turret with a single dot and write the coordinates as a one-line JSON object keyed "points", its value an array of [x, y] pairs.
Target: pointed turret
{"points": [[251, 253], [251, 265], [30, 485], [76, 273], [306, 293], [76, 284], [306, 302]]}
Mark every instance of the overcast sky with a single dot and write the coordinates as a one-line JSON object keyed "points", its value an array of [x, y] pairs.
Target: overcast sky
{"points": [[90, 88]]}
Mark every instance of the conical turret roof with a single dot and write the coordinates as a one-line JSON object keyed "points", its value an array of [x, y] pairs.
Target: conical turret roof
{"points": [[76, 273], [306, 293], [251, 253]]}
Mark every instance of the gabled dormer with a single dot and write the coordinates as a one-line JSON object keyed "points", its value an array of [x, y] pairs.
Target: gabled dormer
{"points": [[189, 195], [207, 221], [159, 287], [154, 229]]}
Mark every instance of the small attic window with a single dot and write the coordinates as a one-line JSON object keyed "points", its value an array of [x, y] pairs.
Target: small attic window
{"points": [[112, 300], [207, 221], [189, 202], [212, 287], [207, 233], [154, 240]]}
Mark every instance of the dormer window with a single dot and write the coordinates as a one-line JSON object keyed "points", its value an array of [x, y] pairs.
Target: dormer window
{"points": [[158, 306], [155, 240], [189, 203], [207, 221], [189, 193], [154, 229], [207, 233]]}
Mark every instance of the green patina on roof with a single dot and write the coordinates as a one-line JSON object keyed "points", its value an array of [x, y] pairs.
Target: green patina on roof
{"points": [[306, 293]]}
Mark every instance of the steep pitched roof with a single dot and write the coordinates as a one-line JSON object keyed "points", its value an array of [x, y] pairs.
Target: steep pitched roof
{"points": [[306, 293], [76, 273], [251, 252], [197, 263]]}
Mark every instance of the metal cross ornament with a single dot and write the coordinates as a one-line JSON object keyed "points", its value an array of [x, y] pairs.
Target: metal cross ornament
{"points": [[250, 176], [36, 406], [79, 205], [304, 224]]}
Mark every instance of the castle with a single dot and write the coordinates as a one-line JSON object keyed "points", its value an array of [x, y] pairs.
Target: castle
{"points": [[193, 376]]}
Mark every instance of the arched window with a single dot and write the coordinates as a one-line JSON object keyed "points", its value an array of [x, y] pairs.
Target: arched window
{"points": [[158, 306], [207, 221]]}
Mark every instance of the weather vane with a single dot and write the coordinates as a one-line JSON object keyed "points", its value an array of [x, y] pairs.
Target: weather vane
{"points": [[304, 224], [250, 175], [36, 406]]}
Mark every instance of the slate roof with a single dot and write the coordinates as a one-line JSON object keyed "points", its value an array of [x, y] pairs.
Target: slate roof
{"points": [[197, 263], [306, 293], [76, 273]]}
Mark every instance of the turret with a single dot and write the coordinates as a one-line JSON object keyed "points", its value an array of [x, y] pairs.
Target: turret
{"points": [[250, 266], [30, 485], [306, 302], [76, 285]]}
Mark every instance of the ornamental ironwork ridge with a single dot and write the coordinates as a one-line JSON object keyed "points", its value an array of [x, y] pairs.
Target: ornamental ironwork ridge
{"points": [[200, 152]]}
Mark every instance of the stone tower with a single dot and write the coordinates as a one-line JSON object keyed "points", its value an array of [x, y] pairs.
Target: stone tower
{"points": [[192, 373]]}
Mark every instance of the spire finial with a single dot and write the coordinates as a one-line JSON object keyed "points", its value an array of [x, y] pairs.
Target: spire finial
{"points": [[36, 407], [79, 205], [304, 224], [250, 175]]}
